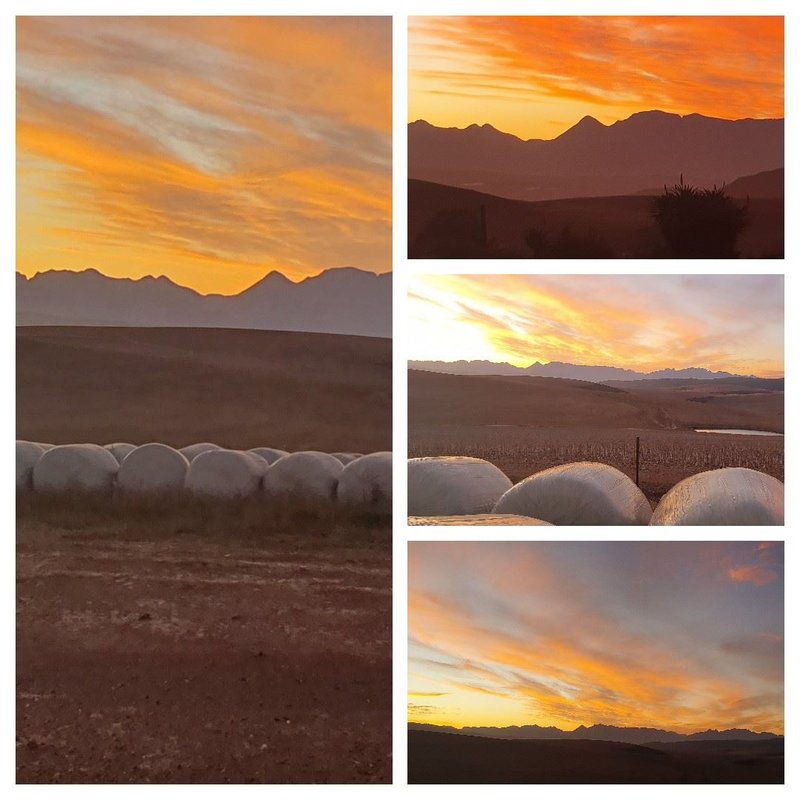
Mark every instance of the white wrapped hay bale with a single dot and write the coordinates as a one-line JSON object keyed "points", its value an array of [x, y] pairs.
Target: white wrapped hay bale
{"points": [[731, 496], [152, 469], [119, 450], [477, 519], [28, 453], [191, 451], [307, 475], [583, 493], [269, 454], [224, 474], [366, 483], [346, 458], [75, 467], [453, 485]]}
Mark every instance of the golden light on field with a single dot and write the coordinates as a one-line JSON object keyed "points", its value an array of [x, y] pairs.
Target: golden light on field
{"points": [[211, 150], [537, 76], [731, 323], [568, 633]]}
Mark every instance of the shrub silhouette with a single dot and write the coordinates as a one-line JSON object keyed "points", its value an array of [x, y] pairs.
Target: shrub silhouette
{"points": [[568, 244], [699, 223]]}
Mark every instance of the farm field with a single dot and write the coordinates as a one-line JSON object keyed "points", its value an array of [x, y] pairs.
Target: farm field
{"points": [[524, 425], [197, 643]]}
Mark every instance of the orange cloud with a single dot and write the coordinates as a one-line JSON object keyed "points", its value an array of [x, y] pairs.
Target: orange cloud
{"points": [[752, 573], [208, 149], [537, 76]]}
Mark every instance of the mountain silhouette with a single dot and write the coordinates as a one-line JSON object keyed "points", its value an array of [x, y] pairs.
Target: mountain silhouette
{"points": [[344, 301], [648, 149], [605, 733], [559, 369]]}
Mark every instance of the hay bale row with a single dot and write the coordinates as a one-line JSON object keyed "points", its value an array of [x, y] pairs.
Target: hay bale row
{"points": [[207, 471], [442, 490]]}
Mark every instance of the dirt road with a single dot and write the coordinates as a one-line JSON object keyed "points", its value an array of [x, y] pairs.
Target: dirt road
{"points": [[193, 660]]}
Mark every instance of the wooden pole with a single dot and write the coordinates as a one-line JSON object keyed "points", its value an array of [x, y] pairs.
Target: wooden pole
{"points": [[637, 460]]}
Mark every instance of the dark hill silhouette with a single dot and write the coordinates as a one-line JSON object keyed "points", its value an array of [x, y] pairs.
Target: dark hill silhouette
{"points": [[344, 301], [604, 733], [762, 184], [446, 222], [649, 148], [448, 758]]}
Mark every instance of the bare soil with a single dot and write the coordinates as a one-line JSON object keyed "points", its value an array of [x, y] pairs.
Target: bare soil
{"points": [[160, 650]]}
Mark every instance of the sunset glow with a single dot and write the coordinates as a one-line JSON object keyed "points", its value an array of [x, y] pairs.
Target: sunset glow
{"points": [[537, 76], [208, 149], [672, 635], [730, 323]]}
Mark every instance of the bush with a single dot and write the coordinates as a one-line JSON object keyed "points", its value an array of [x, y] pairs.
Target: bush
{"points": [[699, 223]]}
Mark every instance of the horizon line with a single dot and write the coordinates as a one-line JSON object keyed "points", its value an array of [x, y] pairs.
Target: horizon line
{"points": [[594, 119], [166, 277]]}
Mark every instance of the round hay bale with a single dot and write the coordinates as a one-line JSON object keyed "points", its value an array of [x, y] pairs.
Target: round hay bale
{"points": [[152, 469], [191, 451], [224, 474], [366, 483], [346, 458], [75, 467], [269, 454], [583, 493], [477, 519], [453, 485], [119, 450], [307, 475], [731, 496], [28, 453]]}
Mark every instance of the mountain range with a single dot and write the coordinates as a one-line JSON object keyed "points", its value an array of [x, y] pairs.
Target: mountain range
{"points": [[605, 733], [343, 301], [559, 369], [646, 150]]}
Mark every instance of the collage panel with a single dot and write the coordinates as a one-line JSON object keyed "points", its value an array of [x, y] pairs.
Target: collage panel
{"points": [[595, 400], [203, 386], [595, 662], [595, 137]]}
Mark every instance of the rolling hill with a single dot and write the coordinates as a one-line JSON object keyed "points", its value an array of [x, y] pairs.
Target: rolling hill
{"points": [[343, 301]]}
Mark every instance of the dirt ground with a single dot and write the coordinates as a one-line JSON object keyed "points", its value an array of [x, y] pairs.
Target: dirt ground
{"points": [[193, 657]]}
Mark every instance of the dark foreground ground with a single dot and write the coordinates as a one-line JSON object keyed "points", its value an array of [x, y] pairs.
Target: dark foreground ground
{"points": [[190, 648], [455, 758]]}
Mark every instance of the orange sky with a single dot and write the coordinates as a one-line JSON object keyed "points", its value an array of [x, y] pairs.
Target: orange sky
{"points": [[211, 150], [731, 323], [537, 76], [684, 636]]}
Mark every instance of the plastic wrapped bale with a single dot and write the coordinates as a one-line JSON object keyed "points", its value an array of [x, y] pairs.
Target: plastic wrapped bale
{"points": [[191, 451], [346, 458], [453, 485], [366, 483], [269, 454], [28, 453], [307, 475], [477, 519], [75, 467], [731, 496], [224, 474], [584, 493], [152, 469], [119, 450]]}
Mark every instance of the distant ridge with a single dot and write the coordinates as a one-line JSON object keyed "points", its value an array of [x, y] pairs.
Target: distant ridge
{"points": [[590, 159], [605, 733], [559, 369], [344, 301]]}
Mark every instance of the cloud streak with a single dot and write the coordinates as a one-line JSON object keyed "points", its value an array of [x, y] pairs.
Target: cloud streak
{"points": [[207, 149], [537, 76]]}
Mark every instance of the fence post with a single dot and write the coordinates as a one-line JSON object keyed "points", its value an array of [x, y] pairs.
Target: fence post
{"points": [[484, 236], [637, 460]]}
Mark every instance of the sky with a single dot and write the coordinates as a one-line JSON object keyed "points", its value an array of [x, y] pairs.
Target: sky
{"points": [[683, 636], [731, 323], [211, 150], [535, 77]]}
